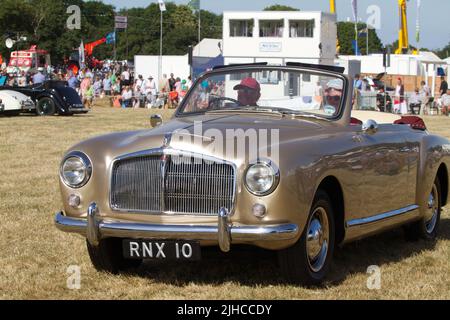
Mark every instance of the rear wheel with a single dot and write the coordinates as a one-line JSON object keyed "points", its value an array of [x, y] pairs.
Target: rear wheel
{"points": [[308, 261], [46, 107], [108, 256], [428, 227]]}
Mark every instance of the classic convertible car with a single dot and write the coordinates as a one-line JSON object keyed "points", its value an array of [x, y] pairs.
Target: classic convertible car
{"points": [[267, 156], [13, 103], [52, 97]]}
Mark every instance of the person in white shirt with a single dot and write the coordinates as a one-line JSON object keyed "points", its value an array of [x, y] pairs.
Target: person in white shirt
{"points": [[151, 91], [125, 76], [127, 97], [445, 103], [415, 101]]}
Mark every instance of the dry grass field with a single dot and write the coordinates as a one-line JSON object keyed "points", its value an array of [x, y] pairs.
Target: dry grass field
{"points": [[34, 256]]}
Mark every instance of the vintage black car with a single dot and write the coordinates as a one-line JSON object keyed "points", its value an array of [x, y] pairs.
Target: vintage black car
{"points": [[52, 97]]}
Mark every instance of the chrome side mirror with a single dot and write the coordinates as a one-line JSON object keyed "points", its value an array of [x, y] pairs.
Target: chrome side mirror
{"points": [[156, 120], [370, 127]]}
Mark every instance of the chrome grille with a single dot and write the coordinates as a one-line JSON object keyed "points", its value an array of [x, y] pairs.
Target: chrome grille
{"points": [[172, 185]]}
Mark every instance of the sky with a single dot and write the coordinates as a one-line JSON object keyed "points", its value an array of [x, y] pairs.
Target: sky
{"points": [[434, 15]]}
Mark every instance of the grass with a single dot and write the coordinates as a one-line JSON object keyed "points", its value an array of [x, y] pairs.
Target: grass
{"points": [[35, 256]]}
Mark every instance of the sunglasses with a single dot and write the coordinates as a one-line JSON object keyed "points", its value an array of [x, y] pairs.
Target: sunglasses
{"points": [[334, 98], [247, 90]]}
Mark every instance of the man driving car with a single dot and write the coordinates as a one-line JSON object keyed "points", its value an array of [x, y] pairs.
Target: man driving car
{"points": [[249, 92]]}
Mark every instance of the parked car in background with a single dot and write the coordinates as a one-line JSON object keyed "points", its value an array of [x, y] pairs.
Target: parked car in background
{"points": [[13, 103], [314, 178], [52, 97]]}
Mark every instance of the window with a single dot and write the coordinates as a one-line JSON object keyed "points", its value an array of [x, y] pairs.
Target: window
{"points": [[271, 28], [301, 28], [269, 77], [241, 28]]}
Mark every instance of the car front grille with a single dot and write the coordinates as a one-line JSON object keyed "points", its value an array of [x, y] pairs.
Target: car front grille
{"points": [[163, 184]]}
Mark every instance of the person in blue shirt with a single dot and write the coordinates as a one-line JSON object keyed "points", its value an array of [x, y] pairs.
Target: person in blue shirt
{"points": [[73, 81], [107, 84], [39, 77], [3, 79], [357, 84]]}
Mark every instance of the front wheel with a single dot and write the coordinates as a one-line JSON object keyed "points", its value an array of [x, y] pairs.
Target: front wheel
{"points": [[45, 107], [308, 261], [108, 256], [427, 228]]}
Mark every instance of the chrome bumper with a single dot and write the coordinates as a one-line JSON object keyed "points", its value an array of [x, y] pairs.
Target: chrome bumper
{"points": [[79, 110], [95, 229]]}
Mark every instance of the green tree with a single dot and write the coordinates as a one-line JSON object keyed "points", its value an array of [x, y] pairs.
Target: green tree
{"points": [[346, 35], [280, 7], [444, 52], [43, 22]]}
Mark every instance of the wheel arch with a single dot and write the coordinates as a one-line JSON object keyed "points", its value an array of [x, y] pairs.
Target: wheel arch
{"points": [[333, 188]]}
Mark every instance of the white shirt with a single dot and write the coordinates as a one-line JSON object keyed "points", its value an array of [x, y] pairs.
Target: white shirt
{"points": [[150, 87], [126, 75], [127, 95], [445, 100]]}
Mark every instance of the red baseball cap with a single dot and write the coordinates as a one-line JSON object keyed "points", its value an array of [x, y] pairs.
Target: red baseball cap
{"points": [[248, 83]]}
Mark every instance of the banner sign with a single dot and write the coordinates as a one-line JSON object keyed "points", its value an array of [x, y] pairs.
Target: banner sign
{"points": [[122, 19], [121, 25]]}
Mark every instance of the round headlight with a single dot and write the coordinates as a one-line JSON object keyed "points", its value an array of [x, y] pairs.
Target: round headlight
{"points": [[76, 170], [261, 178]]}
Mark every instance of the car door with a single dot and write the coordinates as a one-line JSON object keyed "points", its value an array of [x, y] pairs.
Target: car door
{"points": [[379, 178]]}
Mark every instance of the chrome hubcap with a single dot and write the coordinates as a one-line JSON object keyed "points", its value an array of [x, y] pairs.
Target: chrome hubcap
{"points": [[317, 239], [433, 210]]}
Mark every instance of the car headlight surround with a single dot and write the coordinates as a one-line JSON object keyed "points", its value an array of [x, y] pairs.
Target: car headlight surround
{"points": [[76, 169], [262, 178]]}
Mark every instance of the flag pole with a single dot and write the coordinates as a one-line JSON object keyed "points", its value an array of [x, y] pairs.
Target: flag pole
{"points": [[160, 49], [367, 40], [199, 24]]}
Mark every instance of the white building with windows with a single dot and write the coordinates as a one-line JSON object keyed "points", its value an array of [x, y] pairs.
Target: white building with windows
{"points": [[278, 37]]}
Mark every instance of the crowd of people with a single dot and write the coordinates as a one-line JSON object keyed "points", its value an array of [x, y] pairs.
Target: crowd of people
{"points": [[115, 80], [420, 101], [128, 91]]}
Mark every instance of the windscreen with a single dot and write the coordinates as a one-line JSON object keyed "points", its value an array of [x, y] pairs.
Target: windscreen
{"points": [[273, 89]]}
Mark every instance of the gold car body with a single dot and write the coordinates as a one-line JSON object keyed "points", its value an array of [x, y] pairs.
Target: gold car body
{"points": [[376, 181]]}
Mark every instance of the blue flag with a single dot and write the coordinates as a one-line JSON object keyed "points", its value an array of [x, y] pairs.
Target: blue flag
{"points": [[355, 48], [111, 38]]}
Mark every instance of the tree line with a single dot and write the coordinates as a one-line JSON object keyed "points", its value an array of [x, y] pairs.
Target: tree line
{"points": [[44, 22]]}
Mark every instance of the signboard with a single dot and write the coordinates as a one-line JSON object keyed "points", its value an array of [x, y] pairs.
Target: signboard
{"points": [[270, 47], [121, 25], [122, 19], [121, 22]]}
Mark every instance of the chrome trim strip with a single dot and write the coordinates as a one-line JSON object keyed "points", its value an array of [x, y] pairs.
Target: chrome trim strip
{"points": [[379, 217], [110, 228]]}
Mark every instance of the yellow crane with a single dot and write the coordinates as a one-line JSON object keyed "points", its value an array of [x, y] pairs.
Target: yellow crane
{"points": [[333, 6], [333, 11], [403, 40]]}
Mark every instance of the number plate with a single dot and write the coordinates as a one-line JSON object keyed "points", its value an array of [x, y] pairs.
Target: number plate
{"points": [[161, 250]]}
